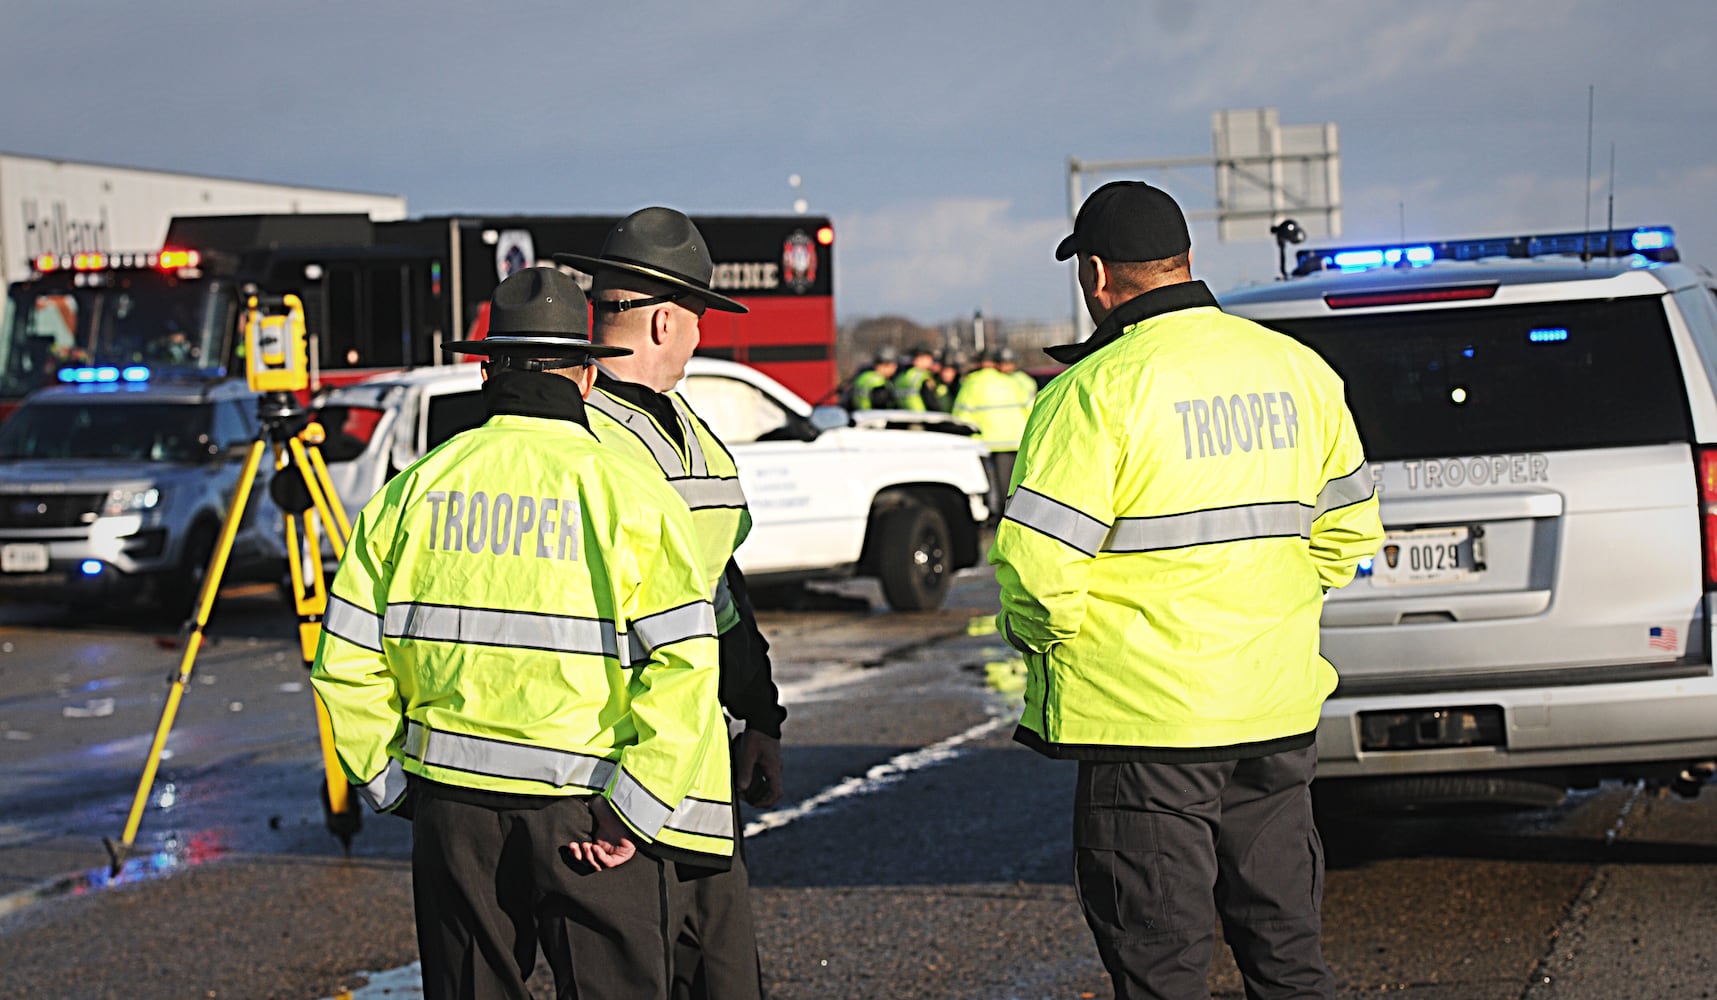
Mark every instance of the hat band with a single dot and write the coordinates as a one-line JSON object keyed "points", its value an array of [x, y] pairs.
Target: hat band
{"points": [[621, 305], [658, 270]]}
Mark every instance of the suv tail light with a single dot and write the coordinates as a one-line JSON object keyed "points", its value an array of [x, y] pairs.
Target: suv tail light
{"points": [[1708, 513]]}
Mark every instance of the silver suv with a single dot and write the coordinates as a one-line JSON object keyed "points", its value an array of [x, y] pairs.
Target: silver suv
{"points": [[113, 490], [1542, 425]]}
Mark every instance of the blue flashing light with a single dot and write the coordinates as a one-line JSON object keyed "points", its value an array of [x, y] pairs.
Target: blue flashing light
{"points": [[1653, 239], [1349, 260], [134, 373], [90, 567], [1467, 353], [1548, 335], [1364, 568], [107, 373]]}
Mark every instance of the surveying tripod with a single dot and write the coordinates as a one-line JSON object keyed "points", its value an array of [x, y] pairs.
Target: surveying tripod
{"points": [[275, 341]]}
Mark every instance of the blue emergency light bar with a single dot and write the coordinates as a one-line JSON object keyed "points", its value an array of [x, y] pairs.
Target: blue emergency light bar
{"points": [[103, 373], [1655, 243]]}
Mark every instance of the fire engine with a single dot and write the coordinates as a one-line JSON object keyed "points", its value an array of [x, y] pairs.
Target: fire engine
{"points": [[383, 295]]}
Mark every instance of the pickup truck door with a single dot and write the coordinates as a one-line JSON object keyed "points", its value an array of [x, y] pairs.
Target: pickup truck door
{"points": [[806, 508]]}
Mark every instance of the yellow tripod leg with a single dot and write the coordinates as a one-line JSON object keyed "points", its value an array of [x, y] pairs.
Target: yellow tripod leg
{"points": [[117, 851], [310, 598]]}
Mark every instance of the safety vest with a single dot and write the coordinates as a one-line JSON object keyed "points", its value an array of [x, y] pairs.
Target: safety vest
{"points": [[701, 471], [995, 402], [1183, 497], [865, 386], [909, 388], [525, 611], [1027, 384]]}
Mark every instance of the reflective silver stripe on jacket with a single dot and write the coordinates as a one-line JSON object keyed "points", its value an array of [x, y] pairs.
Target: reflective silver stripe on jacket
{"points": [[701, 494], [491, 627], [384, 791], [353, 624], [1057, 520], [704, 818], [688, 621], [500, 759], [642, 809], [1352, 488], [694, 448], [661, 448], [1209, 527]]}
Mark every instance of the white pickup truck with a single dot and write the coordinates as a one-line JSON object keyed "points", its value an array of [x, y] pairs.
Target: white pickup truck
{"points": [[899, 496]]}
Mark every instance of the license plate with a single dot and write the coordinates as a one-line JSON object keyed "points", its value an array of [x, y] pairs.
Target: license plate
{"points": [[24, 557], [1432, 555]]}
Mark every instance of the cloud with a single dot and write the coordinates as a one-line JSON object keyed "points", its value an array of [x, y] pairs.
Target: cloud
{"points": [[920, 256]]}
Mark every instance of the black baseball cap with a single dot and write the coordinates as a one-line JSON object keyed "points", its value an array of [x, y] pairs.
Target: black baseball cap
{"points": [[1128, 221]]}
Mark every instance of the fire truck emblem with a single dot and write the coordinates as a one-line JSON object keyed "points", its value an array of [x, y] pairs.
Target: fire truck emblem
{"points": [[798, 261], [1392, 555]]}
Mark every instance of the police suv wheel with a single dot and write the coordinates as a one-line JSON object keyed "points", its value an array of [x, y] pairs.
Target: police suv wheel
{"points": [[915, 566]]}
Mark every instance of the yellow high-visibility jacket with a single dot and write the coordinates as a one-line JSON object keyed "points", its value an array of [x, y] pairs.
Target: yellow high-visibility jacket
{"points": [[701, 470], [1184, 496], [998, 404], [525, 610]]}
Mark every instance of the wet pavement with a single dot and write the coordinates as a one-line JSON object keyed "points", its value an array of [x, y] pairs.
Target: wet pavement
{"points": [[919, 852]]}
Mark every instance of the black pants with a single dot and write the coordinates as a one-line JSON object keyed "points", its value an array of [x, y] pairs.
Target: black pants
{"points": [[1162, 850], [715, 949], [1000, 466], [491, 884]]}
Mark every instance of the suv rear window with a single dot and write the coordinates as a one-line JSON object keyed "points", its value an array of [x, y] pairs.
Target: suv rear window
{"points": [[1550, 376]]}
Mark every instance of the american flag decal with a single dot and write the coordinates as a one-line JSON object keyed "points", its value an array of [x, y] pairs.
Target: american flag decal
{"points": [[1662, 638]]}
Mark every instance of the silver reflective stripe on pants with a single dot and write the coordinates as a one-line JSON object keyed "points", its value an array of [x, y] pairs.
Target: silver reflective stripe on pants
{"points": [[688, 621], [384, 790], [353, 624], [1349, 489], [500, 759], [706, 819], [642, 809], [1208, 527], [700, 494], [491, 627], [1057, 520]]}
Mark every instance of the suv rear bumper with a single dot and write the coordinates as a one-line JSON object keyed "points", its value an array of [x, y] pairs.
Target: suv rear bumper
{"points": [[1585, 726]]}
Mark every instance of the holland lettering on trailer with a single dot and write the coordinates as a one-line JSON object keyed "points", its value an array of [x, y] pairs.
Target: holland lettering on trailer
{"points": [[483, 524], [1239, 420]]}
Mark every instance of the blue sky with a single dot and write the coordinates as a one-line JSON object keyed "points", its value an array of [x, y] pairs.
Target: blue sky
{"points": [[935, 134]]}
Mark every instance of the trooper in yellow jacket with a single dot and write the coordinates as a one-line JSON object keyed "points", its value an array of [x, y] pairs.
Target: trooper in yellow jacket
{"points": [[1185, 494], [650, 290], [519, 650]]}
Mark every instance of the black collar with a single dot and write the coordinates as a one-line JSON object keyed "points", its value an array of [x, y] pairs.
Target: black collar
{"points": [[1167, 299], [654, 403], [534, 394]]}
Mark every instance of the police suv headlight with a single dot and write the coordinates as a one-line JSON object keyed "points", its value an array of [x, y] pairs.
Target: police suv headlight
{"points": [[120, 502]]}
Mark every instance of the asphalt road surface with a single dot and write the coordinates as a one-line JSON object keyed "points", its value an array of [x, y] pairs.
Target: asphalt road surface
{"points": [[919, 852]]}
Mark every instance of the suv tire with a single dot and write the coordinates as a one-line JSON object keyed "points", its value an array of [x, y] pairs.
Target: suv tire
{"points": [[914, 562]]}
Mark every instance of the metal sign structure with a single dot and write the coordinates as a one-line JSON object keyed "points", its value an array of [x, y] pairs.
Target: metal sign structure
{"points": [[1264, 172]]}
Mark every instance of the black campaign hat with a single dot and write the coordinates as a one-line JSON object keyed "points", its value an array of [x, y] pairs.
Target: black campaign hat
{"points": [[662, 245], [538, 312], [1128, 221]]}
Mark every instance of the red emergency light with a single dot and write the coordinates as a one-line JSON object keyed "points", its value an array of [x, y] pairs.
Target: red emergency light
{"points": [[172, 260], [826, 235], [166, 260]]}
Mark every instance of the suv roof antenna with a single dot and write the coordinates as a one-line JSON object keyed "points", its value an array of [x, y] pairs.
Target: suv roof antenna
{"points": [[1591, 99], [1609, 245]]}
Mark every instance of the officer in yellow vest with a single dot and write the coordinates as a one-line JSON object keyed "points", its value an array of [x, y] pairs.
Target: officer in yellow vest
{"points": [[519, 651], [1185, 495], [916, 387], [997, 404], [651, 286]]}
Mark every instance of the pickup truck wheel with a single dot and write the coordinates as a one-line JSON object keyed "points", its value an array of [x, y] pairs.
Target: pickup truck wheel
{"points": [[914, 565]]}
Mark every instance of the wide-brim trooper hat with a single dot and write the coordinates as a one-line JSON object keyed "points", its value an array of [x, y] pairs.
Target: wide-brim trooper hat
{"points": [[538, 312], [662, 245]]}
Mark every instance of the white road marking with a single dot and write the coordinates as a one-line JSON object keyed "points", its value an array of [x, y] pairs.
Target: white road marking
{"points": [[877, 777]]}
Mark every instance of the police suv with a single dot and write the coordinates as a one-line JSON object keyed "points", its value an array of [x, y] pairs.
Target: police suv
{"points": [[114, 485], [1541, 418], [829, 497]]}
